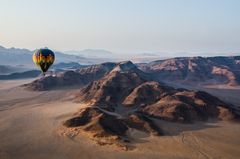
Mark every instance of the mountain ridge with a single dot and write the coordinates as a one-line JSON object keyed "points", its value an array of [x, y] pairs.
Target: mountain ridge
{"points": [[192, 70], [125, 99]]}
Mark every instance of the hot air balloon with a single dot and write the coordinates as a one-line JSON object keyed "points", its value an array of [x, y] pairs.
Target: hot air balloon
{"points": [[43, 58]]}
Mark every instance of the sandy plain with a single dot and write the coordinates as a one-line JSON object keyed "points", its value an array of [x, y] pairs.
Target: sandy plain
{"points": [[31, 128]]}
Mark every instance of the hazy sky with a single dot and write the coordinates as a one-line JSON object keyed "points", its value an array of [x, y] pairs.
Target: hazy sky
{"points": [[122, 26]]}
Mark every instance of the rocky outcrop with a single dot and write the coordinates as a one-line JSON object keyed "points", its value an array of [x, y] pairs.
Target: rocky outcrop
{"points": [[196, 70], [129, 87], [79, 78], [101, 124], [127, 99], [189, 106], [110, 90]]}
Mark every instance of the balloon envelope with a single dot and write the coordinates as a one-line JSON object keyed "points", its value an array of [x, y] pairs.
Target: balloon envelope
{"points": [[43, 58]]}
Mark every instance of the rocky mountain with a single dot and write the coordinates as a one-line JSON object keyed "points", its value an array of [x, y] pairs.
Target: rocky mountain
{"points": [[114, 85], [123, 98], [196, 70], [126, 98], [106, 128], [79, 77], [120, 81], [127, 86]]}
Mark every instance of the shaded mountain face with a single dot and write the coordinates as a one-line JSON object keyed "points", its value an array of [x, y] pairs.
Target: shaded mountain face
{"points": [[196, 70], [70, 78], [97, 71], [102, 124], [114, 86], [187, 106]]}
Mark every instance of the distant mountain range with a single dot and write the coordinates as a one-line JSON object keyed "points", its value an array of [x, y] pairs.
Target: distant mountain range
{"points": [[6, 69], [21, 75], [15, 56], [65, 65], [92, 53]]}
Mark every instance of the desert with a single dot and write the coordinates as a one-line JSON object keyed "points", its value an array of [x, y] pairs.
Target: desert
{"points": [[119, 79], [37, 123]]}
